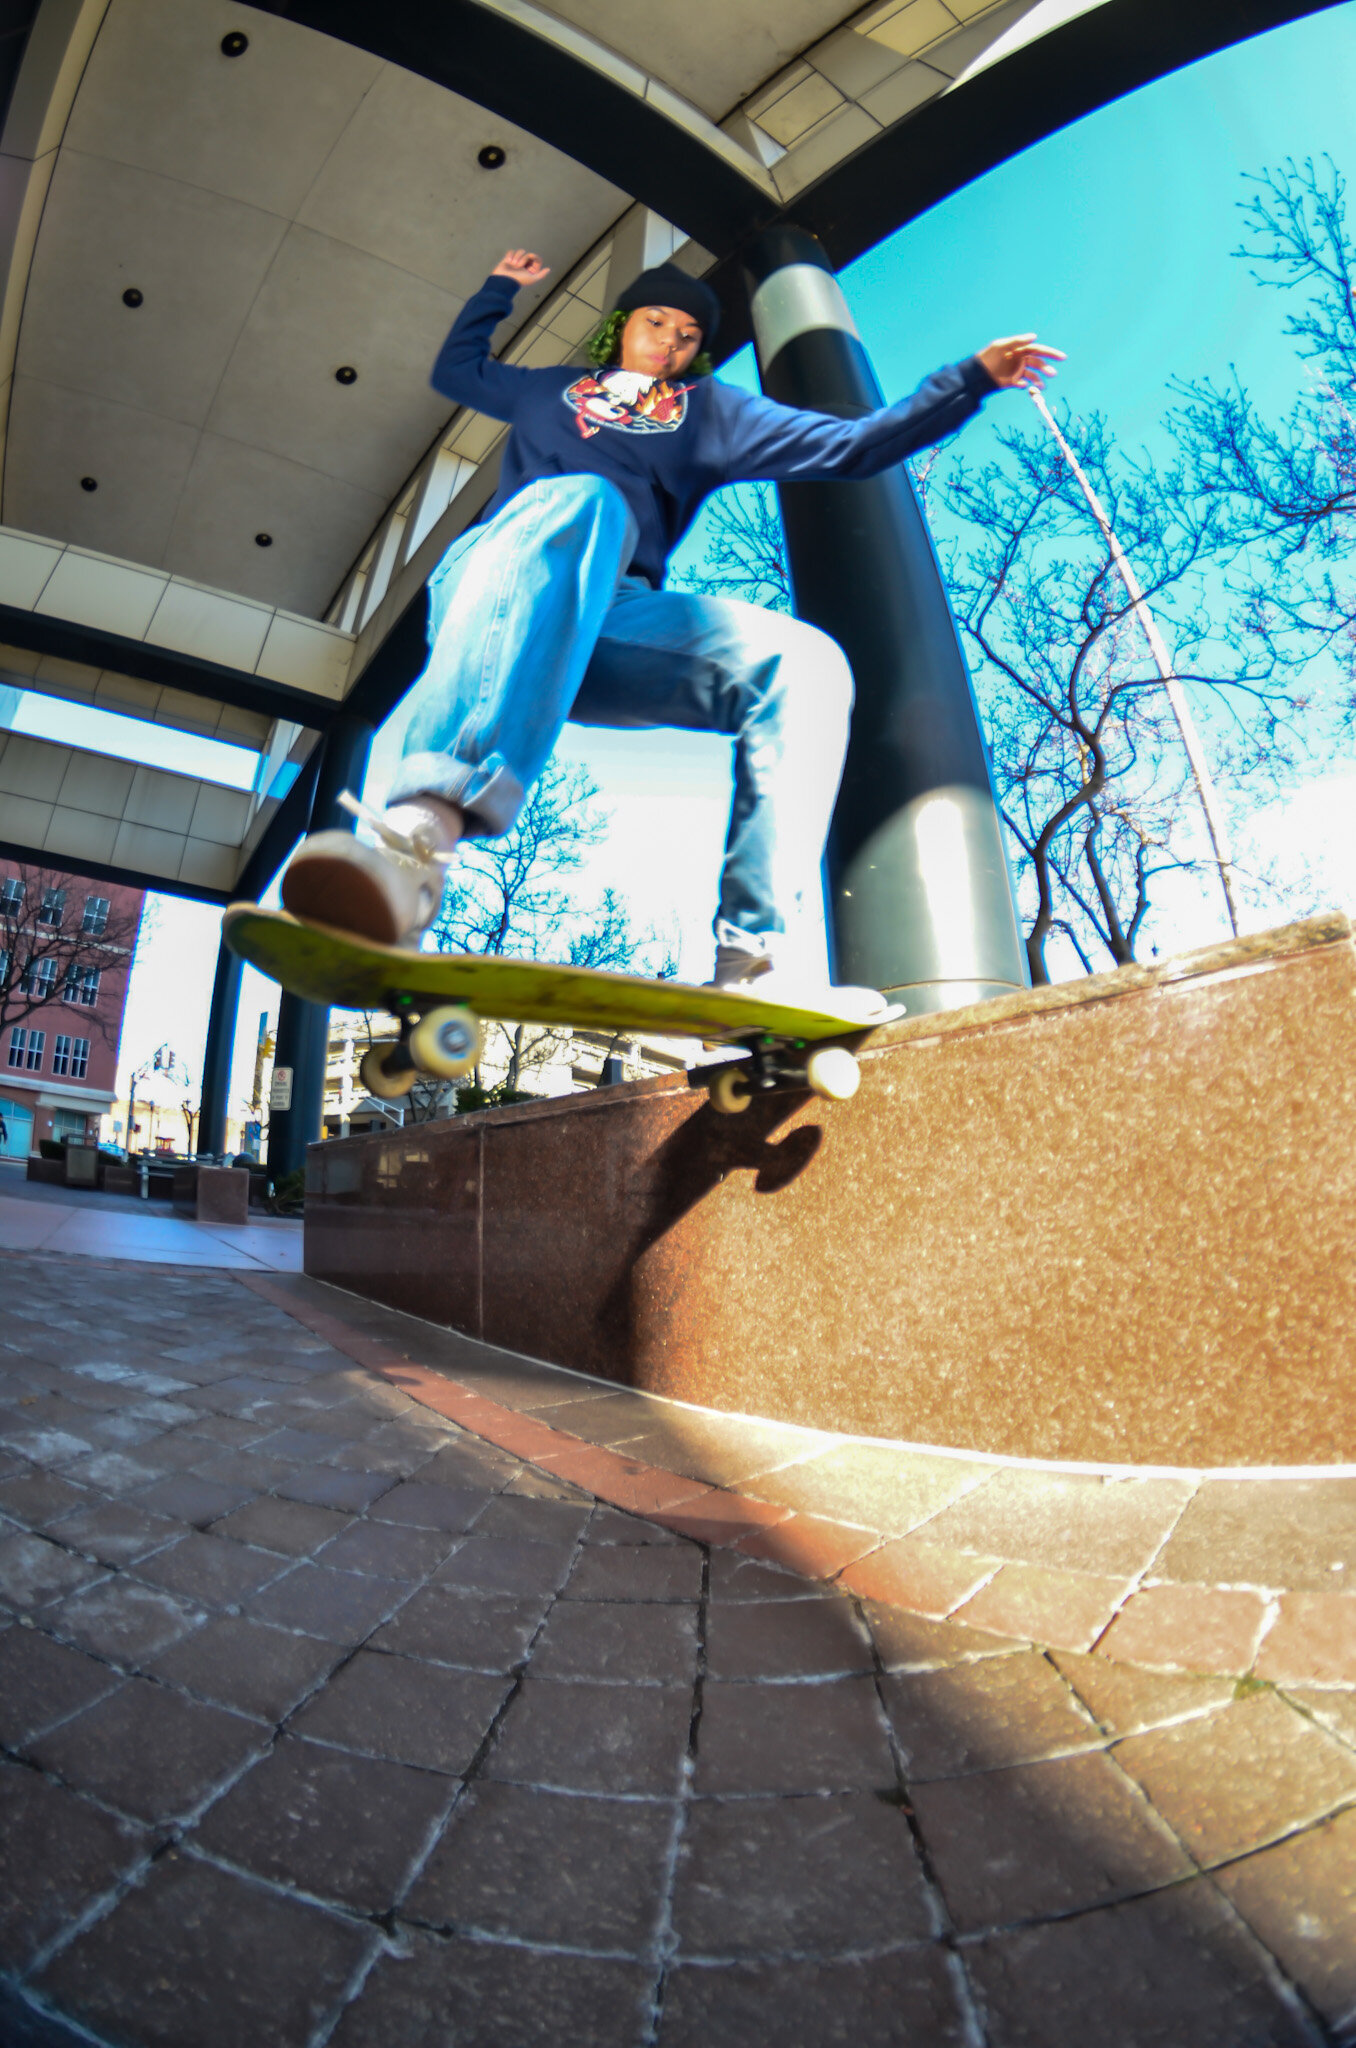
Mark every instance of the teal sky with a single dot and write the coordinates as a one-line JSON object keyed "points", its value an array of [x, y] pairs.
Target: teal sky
{"points": [[1112, 239]]}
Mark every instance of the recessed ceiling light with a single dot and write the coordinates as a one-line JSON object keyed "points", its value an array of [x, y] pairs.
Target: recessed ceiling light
{"points": [[491, 157], [131, 297], [346, 374], [89, 483], [263, 540], [235, 44]]}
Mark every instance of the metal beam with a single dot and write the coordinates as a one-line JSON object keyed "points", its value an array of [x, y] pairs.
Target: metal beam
{"points": [[44, 633]]}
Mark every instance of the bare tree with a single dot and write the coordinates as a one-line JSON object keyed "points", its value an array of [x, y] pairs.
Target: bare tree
{"points": [[745, 550], [57, 937], [1284, 489], [509, 896], [1093, 780]]}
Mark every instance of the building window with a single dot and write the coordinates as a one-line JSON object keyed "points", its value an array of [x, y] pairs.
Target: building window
{"points": [[53, 907], [79, 1058], [25, 1048], [61, 1055], [96, 915], [11, 896], [39, 980], [82, 986]]}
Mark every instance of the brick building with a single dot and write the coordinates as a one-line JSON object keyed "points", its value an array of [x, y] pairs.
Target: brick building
{"points": [[59, 1061]]}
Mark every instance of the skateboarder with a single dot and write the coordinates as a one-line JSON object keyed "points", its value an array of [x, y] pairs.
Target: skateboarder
{"points": [[552, 607]]}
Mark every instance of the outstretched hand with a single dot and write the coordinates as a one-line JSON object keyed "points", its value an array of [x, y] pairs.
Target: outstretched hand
{"points": [[522, 266], [1019, 362]]}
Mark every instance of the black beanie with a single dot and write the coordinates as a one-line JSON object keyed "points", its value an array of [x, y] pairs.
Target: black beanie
{"points": [[667, 285]]}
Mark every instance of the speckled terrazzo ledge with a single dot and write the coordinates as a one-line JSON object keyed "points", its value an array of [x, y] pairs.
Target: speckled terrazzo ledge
{"points": [[1254, 951]]}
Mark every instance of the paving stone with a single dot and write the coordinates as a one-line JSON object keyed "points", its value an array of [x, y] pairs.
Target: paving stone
{"points": [[534, 1519], [42, 1682], [243, 1468], [115, 1472], [416, 1504], [810, 1544], [397, 1460], [414, 1713], [1332, 1709], [233, 1430], [546, 1867], [57, 1854], [211, 1569], [735, 1576], [148, 1751], [200, 1956], [644, 1642], [925, 1577], [528, 1483], [387, 1550], [1313, 1640], [1163, 1972], [115, 1532], [614, 1571], [1237, 1779], [893, 1491], [505, 1565], [610, 1525], [980, 1716], [193, 1500], [500, 1995], [1266, 1532], [345, 1828], [460, 1626], [1061, 1609], [122, 1620], [34, 1572], [1300, 1900], [910, 1642], [1125, 1700], [813, 1638], [340, 1607], [1037, 1840], [1187, 1628], [26, 2024], [793, 1738], [39, 1498], [585, 1737], [907, 1999], [465, 1461], [320, 1486], [831, 1875], [288, 1526], [245, 1665]]}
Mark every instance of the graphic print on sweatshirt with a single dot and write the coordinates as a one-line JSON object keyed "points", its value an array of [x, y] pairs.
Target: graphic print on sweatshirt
{"points": [[622, 399]]}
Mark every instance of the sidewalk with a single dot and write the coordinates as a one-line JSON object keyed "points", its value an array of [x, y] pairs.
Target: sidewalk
{"points": [[72, 1221], [327, 1719]]}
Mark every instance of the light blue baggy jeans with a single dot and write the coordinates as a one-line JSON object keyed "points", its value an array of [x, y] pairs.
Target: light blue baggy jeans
{"points": [[532, 621]]}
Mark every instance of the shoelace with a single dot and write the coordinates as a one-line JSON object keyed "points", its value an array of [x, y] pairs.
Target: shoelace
{"points": [[413, 845]]}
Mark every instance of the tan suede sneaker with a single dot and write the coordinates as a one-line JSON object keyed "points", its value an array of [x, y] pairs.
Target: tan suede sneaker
{"points": [[389, 893]]}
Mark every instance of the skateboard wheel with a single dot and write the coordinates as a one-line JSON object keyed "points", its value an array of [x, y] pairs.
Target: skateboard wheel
{"points": [[833, 1072], [446, 1043], [730, 1092], [383, 1087]]}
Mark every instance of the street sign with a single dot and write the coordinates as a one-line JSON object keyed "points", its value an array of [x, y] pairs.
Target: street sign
{"points": [[280, 1094]]}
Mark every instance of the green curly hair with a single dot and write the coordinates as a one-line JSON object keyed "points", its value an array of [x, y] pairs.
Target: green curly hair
{"points": [[603, 347]]}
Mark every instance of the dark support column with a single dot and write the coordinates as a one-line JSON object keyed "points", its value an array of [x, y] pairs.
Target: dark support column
{"points": [[216, 1058], [304, 1028], [920, 896]]}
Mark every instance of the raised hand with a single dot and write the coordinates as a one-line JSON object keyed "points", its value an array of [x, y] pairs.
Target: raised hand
{"points": [[1019, 361], [522, 266]]}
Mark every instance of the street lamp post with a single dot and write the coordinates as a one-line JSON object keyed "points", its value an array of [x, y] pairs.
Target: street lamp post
{"points": [[1181, 711]]}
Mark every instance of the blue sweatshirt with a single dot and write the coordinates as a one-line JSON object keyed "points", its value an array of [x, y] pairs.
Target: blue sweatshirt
{"points": [[667, 446]]}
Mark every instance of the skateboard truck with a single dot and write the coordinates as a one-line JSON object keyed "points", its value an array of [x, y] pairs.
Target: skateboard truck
{"points": [[442, 1042], [830, 1071]]}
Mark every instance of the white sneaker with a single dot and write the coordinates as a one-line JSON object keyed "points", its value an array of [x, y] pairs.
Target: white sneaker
{"points": [[757, 974], [389, 893]]}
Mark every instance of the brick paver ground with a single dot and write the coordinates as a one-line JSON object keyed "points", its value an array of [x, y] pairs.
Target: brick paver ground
{"points": [[324, 1720]]}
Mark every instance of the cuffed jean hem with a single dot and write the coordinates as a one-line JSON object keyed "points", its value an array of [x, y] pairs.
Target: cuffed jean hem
{"points": [[490, 796]]}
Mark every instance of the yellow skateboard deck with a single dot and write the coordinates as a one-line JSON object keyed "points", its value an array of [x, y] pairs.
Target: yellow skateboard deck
{"points": [[326, 966]]}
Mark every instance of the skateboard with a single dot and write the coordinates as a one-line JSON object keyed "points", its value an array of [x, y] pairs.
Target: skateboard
{"points": [[440, 999]]}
